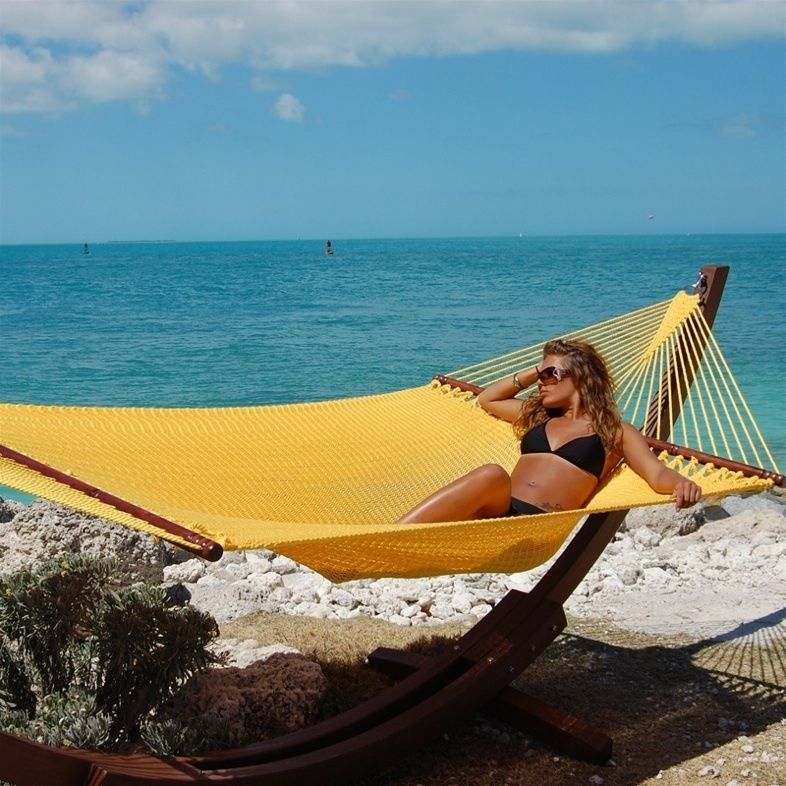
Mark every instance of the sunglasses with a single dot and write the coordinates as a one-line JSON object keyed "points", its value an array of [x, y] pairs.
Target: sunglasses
{"points": [[552, 374]]}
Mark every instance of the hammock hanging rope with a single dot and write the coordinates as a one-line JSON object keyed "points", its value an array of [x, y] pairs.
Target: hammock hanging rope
{"points": [[324, 482]]}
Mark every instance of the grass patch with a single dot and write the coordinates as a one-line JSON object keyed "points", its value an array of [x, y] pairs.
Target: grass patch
{"points": [[341, 648]]}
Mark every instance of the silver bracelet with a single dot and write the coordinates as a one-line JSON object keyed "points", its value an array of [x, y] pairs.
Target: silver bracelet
{"points": [[516, 381]]}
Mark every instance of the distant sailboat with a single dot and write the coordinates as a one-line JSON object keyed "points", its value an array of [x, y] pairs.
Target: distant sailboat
{"points": [[86, 250], [329, 248]]}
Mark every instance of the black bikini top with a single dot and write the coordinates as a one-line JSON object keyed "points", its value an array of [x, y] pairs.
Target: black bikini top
{"points": [[586, 453]]}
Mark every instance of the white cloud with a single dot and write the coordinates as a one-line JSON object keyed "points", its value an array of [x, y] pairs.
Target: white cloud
{"points": [[28, 81], [97, 50], [748, 125], [109, 75], [741, 127], [264, 84], [290, 108]]}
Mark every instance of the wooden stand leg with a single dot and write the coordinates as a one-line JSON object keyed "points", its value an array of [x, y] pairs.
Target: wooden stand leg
{"points": [[559, 729]]}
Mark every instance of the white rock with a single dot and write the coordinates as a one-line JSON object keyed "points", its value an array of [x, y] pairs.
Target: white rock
{"points": [[736, 504], [284, 565], [523, 581], [209, 580], [645, 537], [186, 572], [657, 576], [239, 570], [341, 598], [345, 614], [412, 591], [664, 519], [310, 609], [442, 611], [305, 584], [779, 570], [244, 653], [610, 584], [410, 611], [279, 595], [259, 561], [480, 610], [266, 581], [462, 602], [629, 574]]}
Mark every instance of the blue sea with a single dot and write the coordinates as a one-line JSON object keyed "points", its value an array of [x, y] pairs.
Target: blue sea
{"points": [[211, 324]]}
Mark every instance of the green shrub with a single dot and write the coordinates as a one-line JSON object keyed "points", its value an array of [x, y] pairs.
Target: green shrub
{"points": [[171, 737], [84, 665], [67, 719], [15, 689], [144, 651], [45, 612]]}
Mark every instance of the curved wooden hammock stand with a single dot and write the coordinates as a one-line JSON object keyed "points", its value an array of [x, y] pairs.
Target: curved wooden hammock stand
{"points": [[433, 695]]}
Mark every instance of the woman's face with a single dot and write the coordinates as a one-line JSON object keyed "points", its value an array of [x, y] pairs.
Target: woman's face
{"points": [[558, 386]]}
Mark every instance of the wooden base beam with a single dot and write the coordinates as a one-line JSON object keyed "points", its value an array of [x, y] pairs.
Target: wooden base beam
{"points": [[557, 728]]}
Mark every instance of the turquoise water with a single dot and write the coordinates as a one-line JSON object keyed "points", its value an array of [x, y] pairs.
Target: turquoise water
{"points": [[206, 324]]}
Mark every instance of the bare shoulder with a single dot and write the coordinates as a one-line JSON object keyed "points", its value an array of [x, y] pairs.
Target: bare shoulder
{"points": [[630, 432], [637, 453], [632, 439]]}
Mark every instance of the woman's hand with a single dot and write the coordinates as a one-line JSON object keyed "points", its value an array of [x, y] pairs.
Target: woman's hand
{"points": [[685, 493]]}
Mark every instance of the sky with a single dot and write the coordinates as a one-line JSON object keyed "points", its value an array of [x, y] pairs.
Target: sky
{"points": [[284, 119]]}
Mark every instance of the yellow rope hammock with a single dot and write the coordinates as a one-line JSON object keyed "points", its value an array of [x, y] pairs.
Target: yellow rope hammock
{"points": [[323, 483]]}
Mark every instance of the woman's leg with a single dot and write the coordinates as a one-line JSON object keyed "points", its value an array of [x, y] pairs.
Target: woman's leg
{"points": [[482, 493]]}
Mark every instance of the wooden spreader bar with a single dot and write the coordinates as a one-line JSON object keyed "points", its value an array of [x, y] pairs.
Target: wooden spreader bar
{"points": [[196, 543]]}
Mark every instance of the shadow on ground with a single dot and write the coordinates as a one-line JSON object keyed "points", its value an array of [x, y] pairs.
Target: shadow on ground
{"points": [[664, 702]]}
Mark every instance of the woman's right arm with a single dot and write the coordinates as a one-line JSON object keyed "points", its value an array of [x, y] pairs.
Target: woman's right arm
{"points": [[500, 399]]}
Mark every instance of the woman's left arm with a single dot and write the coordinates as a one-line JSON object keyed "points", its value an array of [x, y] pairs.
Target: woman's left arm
{"points": [[641, 460]]}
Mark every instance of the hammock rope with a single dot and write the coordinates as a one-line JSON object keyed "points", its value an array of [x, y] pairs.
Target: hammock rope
{"points": [[324, 482]]}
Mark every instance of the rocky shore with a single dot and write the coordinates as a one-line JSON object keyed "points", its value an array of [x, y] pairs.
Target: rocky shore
{"points": [[707, 571], [708, 568]]}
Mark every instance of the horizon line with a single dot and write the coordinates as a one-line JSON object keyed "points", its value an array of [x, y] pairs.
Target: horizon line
{"points": [[316, 239]]}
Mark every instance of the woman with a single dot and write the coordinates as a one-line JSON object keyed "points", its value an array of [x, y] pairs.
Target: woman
{"points": [[571, 437]]}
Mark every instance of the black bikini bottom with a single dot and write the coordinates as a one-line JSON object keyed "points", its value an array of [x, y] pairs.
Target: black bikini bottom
{"points": [[520, 508]]}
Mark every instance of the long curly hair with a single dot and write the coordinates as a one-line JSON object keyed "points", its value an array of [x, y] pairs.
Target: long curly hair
{"points": [[591, 376]]}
